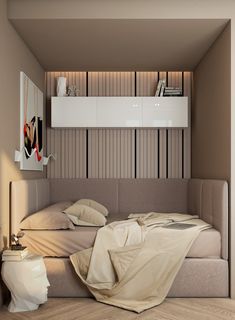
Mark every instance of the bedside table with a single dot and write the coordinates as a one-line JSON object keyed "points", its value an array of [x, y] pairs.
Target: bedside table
{"points": [[27, 281]]}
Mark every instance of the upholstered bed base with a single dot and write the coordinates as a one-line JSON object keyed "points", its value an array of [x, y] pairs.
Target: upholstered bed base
{"points": [[196, 278]]}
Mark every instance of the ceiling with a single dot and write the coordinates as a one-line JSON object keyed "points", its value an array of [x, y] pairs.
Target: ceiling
{"points": [[119, 44]]}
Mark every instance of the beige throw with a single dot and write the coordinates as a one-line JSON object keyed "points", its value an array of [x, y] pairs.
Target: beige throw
{"points": [[133, 263]]}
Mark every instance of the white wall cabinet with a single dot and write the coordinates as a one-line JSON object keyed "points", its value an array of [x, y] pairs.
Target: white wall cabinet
{"points": [[73, 112], [119, 112], [165, 112]]}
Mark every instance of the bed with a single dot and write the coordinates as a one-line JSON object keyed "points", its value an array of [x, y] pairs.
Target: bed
{"points": [[205, 270]]}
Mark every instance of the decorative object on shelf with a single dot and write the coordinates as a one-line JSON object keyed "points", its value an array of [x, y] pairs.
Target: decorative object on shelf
{"points": [[77, 92], [31, 125], [19, 156], [15, 241], [27, 281], [61, 86], [73, 91]]}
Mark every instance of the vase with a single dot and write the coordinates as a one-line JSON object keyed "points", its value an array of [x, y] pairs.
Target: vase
{"points": [[61, 86]]}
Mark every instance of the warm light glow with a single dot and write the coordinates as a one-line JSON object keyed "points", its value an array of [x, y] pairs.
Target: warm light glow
{"points": [[8, 172]]}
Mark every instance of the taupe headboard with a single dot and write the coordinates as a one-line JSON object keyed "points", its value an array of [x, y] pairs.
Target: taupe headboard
{"points": [[27, 197], [118, 195]]}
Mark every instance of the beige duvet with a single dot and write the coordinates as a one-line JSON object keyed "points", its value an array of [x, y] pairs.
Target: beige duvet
{"points": [[133, 263]]}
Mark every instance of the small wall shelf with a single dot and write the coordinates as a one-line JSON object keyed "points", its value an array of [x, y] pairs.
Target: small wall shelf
{"points": [[119, 112]]}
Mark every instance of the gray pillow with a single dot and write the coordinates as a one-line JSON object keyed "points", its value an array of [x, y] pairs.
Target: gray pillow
{"points": [[50, 218], [83, 215]]}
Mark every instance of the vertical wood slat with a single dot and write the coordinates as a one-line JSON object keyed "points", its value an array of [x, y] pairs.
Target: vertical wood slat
{"points": [[163, 144], [187, 131]]}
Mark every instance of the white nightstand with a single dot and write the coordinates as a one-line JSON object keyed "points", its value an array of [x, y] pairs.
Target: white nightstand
{"points": [[27, 281]]}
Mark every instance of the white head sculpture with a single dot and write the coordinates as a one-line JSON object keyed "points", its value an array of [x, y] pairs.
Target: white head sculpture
{"points": [[28, 283]]}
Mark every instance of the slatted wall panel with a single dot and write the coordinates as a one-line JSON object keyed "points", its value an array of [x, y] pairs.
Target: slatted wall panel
{"points": [[119, 153], [69, 145], [111, 83], [152, 153], [111, 151], [187, 132], [163, 144], [163, 153], [174, 144], [147, 153], [146, 83]]}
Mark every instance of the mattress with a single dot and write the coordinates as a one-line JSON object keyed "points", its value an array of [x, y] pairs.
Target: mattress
{"points": [[63, 243]]}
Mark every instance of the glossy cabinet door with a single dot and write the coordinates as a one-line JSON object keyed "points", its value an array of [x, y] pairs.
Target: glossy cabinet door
{"points": [[118, 112], [73, 112], [165, 112]]}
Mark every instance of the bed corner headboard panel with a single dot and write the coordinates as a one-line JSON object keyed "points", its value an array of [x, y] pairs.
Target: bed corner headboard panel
{"points": [[209, 199], [27, 196]]}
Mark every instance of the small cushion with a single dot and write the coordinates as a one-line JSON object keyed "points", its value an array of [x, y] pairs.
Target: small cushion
{"points": [[50, 218], [95, 205], [83, 215]]}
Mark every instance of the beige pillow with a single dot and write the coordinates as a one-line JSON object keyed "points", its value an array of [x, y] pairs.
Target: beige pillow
{"points": [[83, 215], [50, 218], [95, 205]]}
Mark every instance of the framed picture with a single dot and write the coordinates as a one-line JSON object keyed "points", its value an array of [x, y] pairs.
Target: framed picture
{"points": [[31, 125]]}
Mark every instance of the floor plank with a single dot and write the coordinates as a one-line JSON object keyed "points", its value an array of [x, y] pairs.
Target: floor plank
{"points": [[89, 309]]}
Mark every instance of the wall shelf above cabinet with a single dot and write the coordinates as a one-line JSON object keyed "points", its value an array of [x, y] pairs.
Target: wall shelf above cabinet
{"points": [[119, 112]]}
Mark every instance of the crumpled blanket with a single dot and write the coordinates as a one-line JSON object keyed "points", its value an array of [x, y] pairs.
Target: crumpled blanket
{"points": [[134, 262]]}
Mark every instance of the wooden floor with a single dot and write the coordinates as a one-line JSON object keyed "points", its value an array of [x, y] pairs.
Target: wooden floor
{"points": [[88, 309]]}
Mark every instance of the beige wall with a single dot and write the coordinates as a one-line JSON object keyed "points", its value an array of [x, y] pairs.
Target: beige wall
{"points": [[211, 112], [14, 57]]}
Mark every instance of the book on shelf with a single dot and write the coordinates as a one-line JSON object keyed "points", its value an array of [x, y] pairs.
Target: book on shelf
{"points": [[15, 252], [157, 93], [13, 258], [163, 88], [173, 94], [173, 91], [173, 88]]}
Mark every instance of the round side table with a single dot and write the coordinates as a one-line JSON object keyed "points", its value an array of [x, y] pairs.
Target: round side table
{"points": [[27, 282]]}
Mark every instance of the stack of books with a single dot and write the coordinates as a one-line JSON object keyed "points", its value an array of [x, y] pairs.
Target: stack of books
{"points": [[173, 91], [15, 255], [162, 90]]}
